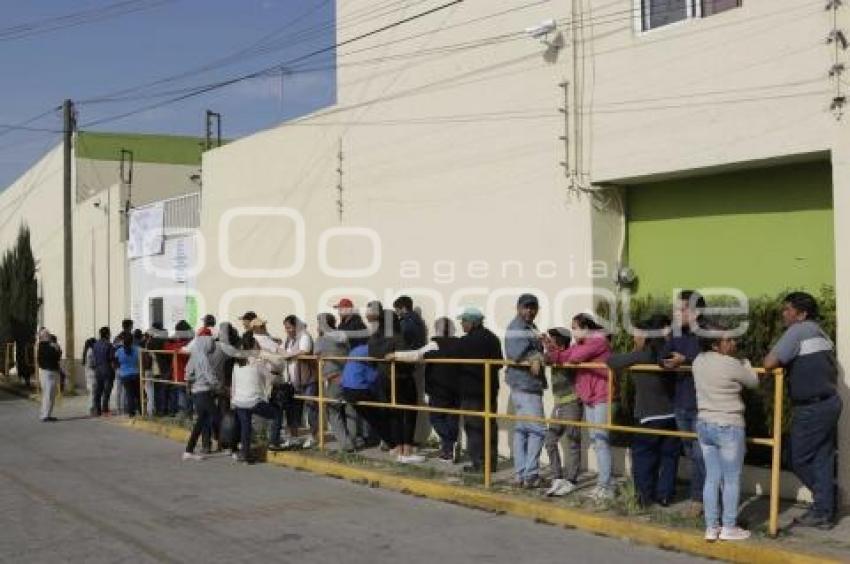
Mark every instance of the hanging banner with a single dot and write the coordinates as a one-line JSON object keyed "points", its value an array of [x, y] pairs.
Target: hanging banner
{"points": [[145, 237]]}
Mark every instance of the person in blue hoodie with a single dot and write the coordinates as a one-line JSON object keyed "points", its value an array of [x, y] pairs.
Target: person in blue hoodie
{"points": [[360, 383], [523, 344], [680, 351]]}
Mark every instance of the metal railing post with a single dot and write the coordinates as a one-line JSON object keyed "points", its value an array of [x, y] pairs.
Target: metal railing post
{"points": [[392, 382], [776, 462], [487, 431], [142, 410], [320, 378]]}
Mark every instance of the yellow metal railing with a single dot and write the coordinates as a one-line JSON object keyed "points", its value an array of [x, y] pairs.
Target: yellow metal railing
{"points": [[488, 414], [775, 441]]}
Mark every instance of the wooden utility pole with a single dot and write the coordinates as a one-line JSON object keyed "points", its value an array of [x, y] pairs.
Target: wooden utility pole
{"points": [[69, 126]]}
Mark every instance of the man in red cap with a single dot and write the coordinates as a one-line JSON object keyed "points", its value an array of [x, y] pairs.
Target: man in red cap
{"points": [[351, 324]]}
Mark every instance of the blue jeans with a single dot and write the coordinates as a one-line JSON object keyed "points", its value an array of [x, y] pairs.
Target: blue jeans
{"points": [[528, 436], [655, 461], [686, 421], [598, 413], [723, 448], [813, 436]]}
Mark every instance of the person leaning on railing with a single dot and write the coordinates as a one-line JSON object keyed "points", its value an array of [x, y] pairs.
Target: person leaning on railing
{"points": [[248, 394], [568, 407], [527, 383], [680, 350], [387, 338], [809, 356], [361, 382], [441, 382], [333, 343], [591, 385], [655, 458], [719, 378]]}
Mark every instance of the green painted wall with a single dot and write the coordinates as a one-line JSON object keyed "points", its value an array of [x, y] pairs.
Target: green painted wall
{"points": [[164, 149], [761, 231]]}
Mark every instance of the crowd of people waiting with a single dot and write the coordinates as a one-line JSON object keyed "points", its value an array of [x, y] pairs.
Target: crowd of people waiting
{"points": [[228, 375]]}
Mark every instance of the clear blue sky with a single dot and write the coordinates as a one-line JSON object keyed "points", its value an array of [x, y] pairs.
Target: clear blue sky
{"points": [[101, 57]]}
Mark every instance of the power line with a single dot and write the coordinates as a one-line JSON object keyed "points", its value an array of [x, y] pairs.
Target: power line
{"points": [[83, 17], [5, 129], [260, 47], [217, 85]]}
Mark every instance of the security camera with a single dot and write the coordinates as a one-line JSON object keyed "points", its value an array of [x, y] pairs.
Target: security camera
{"points": [[625, 276], [542, 30]]}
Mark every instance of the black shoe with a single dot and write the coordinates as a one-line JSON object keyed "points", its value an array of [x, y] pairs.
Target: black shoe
{"points": [[473, 469], [664, 501], [532, 483], [810, 519], [276, 447]]}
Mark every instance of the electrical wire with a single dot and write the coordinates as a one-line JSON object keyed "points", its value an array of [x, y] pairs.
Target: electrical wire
{"points": [[83, 17], [218, 85]]}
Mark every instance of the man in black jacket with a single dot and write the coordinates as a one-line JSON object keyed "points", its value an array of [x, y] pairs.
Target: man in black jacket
{"points": [[477, 343], [351, 324], [48, 365]]}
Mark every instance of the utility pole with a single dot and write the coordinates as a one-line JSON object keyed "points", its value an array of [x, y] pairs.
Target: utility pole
{"points": [[210, 116], [69, 124]]}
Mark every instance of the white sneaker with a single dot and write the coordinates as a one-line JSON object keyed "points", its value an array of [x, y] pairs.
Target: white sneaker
{"points": [[560, 487], [309, 443], [234, 455], [288, 444], [712, 533], [734, 534], [192, 456], [601, 494], [411, 459]]}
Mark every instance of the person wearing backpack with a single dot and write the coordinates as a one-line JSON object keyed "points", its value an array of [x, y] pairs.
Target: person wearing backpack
{"points": [[104, 371]]}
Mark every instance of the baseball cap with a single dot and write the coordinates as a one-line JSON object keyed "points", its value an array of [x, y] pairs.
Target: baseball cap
{"points": [[248, 316], [344, 303], [526, 300], [471, 314]]}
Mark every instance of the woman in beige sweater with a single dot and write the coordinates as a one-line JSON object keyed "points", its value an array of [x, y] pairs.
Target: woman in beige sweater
{"points": [[719, 378]]}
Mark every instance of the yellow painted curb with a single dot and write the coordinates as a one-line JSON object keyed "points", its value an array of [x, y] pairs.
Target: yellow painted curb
{"points": [[606, 525]]}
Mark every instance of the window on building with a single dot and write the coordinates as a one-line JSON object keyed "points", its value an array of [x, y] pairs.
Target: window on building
{"points": [[658, 13], [710, 7]]}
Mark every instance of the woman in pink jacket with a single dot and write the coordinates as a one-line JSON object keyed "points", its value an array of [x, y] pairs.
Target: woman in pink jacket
{"points": [[591, 346]]}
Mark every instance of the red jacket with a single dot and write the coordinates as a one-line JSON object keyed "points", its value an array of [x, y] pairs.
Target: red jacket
{"points": [[178, 365]]}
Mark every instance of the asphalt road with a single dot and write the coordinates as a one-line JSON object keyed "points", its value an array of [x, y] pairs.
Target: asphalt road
{"points": [[84, 490]]}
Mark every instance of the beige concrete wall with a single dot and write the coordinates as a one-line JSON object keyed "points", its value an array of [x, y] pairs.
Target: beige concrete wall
{"points": [[100, 285], [747, 84], [35, 199], [151, 181]]}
